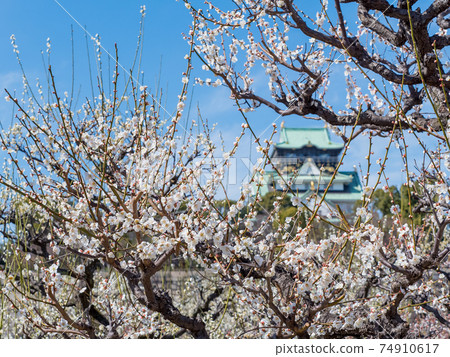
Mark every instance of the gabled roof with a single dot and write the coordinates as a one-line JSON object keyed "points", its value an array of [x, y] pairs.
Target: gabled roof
{"points": [[309, 168], [325, 209], [296, 138]]}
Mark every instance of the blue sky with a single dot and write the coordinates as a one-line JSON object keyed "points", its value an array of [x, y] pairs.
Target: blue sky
{"points": [[32, 22]]}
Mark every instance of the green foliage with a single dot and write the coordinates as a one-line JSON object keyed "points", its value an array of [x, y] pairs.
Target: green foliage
{"points": [[224, 205], [267, 201], [383, 200], [285, 210]]}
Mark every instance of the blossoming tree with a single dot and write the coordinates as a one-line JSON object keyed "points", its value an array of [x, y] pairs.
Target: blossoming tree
{"points": [[396, 74], [389, 48], [102, 198]]}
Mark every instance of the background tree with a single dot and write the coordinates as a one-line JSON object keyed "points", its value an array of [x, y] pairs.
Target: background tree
{"points": [[384, 198]]}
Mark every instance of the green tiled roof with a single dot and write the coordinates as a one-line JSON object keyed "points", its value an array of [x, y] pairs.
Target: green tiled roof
{"points": [[348, 177], [296, 138], [351, 193]]}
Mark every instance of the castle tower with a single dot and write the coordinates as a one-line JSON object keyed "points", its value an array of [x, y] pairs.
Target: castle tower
{"points": [[309, 158]]}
